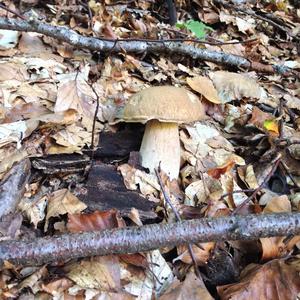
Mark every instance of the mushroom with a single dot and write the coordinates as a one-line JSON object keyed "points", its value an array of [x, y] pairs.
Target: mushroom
{"points": [[162, 108]]}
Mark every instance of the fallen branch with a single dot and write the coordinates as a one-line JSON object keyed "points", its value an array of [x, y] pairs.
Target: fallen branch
{"points": [[138, 46], [12, 187], [148, 237]]}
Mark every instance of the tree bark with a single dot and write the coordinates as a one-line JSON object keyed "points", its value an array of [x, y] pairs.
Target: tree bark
{"points": [[148, 237]]}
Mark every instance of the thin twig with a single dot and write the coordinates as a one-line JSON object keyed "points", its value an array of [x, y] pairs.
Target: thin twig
{"points": [[94, 121], [237, 192], [257, 190], [288, 173], [12, 11], [178, 218]]}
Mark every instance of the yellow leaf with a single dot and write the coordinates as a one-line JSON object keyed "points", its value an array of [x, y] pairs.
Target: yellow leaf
{"points": [[271, 125]]}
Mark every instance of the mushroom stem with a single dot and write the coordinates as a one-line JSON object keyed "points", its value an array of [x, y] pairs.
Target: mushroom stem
{"points": [[161, 145]]}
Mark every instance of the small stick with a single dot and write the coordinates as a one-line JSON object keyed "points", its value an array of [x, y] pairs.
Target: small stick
{"points": [[289, 174], [237, 192], [94, 121], [178, 218], [12, 11], [275, 166]]}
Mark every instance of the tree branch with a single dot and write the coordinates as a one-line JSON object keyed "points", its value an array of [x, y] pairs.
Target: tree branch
{"points": [[138, 46], [148, 237], [12, 187]]}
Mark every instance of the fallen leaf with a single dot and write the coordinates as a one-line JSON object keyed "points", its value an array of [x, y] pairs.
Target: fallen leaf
{"points": [[62, 202], [205, 87], [191, 288], [16, 131], [101, 272], [272, 126], [98, 220], [33, 281], [234, 86], [264, 121], [273, 280], [57, 286], [34, 209], [217, 172], [202, 252], [24, 111]]}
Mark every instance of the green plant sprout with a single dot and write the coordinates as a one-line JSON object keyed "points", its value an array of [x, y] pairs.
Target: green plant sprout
{"points": [[199, 29]]}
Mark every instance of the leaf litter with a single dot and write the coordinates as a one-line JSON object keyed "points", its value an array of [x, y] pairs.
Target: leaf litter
{"points": [[49, 93]]}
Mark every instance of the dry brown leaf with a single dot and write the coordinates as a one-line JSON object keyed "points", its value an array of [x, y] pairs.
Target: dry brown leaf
{"points": [[13, 71], [73, 137], [247, 175], [8, 158], [134, 178], [33, 281], [278, 204], [191, 288], [217, 172], [273, 280], [201, 254], [57, 286], [205, 87], [16, 131], [34, 209], [31, 43], [67, 117], [101, 272], [62, 202], [76, 94], [264, 121], [137, 259], [98, 220], [234, 86], [25, 111]]}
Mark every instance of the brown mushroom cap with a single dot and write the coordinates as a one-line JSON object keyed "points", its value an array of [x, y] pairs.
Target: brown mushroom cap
{"points": [[164, 103]]}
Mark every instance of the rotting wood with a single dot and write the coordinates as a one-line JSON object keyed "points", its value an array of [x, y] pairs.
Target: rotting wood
{"points": [[105, 189], [148, 237]]}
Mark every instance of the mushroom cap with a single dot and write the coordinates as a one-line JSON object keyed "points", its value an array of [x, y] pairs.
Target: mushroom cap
{"points": [[163, 103]]}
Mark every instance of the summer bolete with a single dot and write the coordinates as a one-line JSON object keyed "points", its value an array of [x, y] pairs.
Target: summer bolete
{"points": [[162, 108]]}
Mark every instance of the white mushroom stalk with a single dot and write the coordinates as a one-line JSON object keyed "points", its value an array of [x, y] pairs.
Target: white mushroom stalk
{"points": [[162, 108], [161, 147]]}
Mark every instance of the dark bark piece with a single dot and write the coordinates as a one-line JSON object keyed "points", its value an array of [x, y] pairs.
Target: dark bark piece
{"points": [[148, 237], [58, 163], [112, 146], [12, 187], [118, 145], [105, 190]]}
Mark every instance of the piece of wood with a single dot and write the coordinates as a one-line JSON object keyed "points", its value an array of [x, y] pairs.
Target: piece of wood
{"points": [[112, 146], [61, 163], [118, 145], [12, 187], [105, 189]]}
